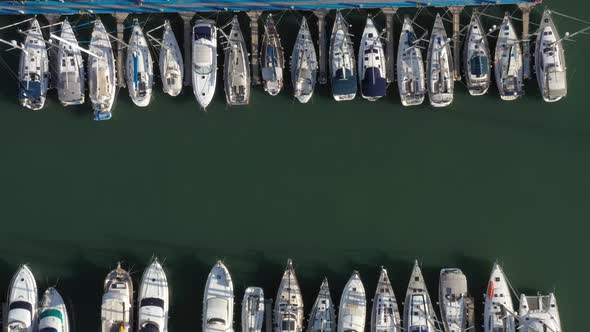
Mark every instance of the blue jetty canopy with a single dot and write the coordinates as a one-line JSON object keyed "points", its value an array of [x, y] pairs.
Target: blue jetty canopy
{"points": [[13, 7]]}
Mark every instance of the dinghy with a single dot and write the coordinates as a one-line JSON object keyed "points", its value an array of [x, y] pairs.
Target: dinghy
{"points": [[454, 301], [353, 306], [253, 310], [550, 61], [304, 64], [22, 302], [385, 312], [70, 68], [342, 72], [53, 316], [171, 64], [101, 73], [272, 58], [418, 311], [476, 58], [288, 310], [371, 64], [236, 74], [117, 302], [498, 308], [410, 67], [539, 313], [33, 74], [153, 299], [140, 75], [218, 301], [204, 70], [322, 317], [439, 66], [508, 66]]}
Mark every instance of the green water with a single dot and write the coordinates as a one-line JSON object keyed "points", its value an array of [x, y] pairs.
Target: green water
{"points": [[335, 186]]}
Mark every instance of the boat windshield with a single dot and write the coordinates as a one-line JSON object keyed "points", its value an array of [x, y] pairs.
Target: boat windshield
{"points": [[149, 327], [202, 70], [202, 32], [152, 301], [215, 321]]}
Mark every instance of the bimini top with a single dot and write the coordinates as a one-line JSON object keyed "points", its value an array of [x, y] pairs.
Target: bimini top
{"points": [[374, 85], [344, 82]]}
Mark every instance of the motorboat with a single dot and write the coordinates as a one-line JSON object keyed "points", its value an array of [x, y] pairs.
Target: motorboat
{"points": [[21, 304], [218, 300], [153, 299], [53, 315], [117, 302], [204, 64]]}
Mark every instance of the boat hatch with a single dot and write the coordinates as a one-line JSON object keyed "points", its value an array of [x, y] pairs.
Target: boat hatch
{"points": [[149, 327], [202, 32], [152, 301], [288, 325]]}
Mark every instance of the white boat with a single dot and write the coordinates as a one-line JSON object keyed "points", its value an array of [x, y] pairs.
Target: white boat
{"points": [[322, 317], [204, 70], [539, 313], [550, 61], [439, 66], [498, 308], [353, 306], [418, 311], [171, 64], [236, 69], [508, 66], [410, 67], [70, 68], [371, 64], [342, 72], [22, 302], [117, 302], [153, 299], [272, 58], [476, 58], [140, 71], [33, 74], [385, 312], [253, 310], [218, 301], [304, 64], [288, 310], [53, 315], [101, 73], [454, 300]]}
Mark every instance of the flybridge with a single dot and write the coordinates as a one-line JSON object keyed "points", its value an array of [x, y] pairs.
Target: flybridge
{"points": [[173, 6]]}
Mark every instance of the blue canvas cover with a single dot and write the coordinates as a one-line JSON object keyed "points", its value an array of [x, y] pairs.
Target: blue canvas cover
{"points": [[202, 32], [373, 84], [33, 90], [343, 84]]}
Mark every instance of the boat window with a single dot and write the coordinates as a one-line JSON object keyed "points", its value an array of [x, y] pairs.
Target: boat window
{"points": [[152, 301], [202, 32], [48, 329], [288, 325], [21, 305], [72, 62], [215, 321], [63, 62], [149, 327]]}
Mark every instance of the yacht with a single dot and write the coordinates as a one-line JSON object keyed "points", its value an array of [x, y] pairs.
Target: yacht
{"points": [[218, 301], [476, 58], [508, 66], [539, 313], [171, 64], [153, 299], [371, 64], [101, 73], [454, 301], [53, 316], [21, 304], [236, 74], [272, 58], [342, 71], [204, 70], [140, 75], [418, 311], [288, 310], [33, 75], [253, 310], [498, 308], [550, 61], [322, 317], [117, 301], [70, 68], [410, 67], [439, 66], [304, 64], [385, 313], [353, 306]]}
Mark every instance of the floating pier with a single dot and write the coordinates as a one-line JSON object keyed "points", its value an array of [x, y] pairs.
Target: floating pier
{"points": [[525, 8], [254, 15], [323, 44], [456, 11], [389, 44], [120, 18], [188, 32]]}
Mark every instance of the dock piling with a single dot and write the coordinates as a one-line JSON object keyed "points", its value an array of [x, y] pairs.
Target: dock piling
{"points": [[254, 16], [120, 18], [187, 46], [268, 314], [389, 47], [456, 11], [526, 8], [322, 44]]}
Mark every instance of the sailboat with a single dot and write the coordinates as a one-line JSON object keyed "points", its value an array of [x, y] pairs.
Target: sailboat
{"points": [[272, 58], [22, 302], [171, 64], [539, 313], [204, 69], [418, 311], [236, 69], [454, 301], [33, 75], [140, 75], [101, 73], [353, 306], [304, 64], [410, 67], [53, 316], [117, 301], [439, 66], [385, 312], [550, 61], [288, 310], [342, 72], [322, 317], [218, 300], [371, 64], [253, 309], [153, 299], [498, 308], [70, 68], [476, 58], [508, 66]]}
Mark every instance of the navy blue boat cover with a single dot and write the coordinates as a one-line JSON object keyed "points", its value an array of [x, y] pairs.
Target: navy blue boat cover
{"points": [[344, 84], [373, 84], [479, 66], [33, 91]]}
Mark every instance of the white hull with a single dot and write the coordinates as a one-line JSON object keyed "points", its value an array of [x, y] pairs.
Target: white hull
{"points": [[439, 67], [508, 63], [539, 313], [418, 311], [476, 58], [288, 310], [452, 299], [153, 299], [253, 310], [218, 301], [498, 307], [204, 62], [550, 61], [22, 302], [171, 64], [53, 313], [304, 64], [101, 73], [342, 59], [353, 306], [236, 69], [33, 73], [140, 75], [272, 58], [322, 317], [371, 57], [410, 67], [70, 69], [385, 312], [117, 302]]}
